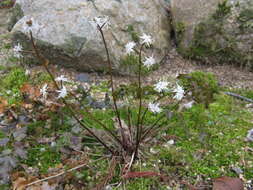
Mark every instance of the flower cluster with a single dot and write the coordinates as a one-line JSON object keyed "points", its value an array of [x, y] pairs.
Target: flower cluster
{"points": [[179, 92], [161, 86], [62, 92], [17, 51], [154, 107], [43, 91], [100, 22], [146, 39], [150, 61], [129, 47]]}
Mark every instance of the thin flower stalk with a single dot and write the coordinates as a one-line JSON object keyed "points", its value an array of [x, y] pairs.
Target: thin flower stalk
{"points": [[147, 131], [146, 111], [153, 132], [140, 102], [129, 117], [112, 86]]}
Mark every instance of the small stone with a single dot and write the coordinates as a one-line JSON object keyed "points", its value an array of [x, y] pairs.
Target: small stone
{"points": [[83, 77], [249, 105], [237, 170]]}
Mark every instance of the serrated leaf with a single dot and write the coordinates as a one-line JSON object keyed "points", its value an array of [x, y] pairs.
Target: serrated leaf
{"points": [[4, 141], [19, 150]]}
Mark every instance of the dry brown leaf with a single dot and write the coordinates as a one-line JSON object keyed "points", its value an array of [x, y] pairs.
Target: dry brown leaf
{"points": [[32, 91], [27, 106], [227, 183], [20, 183], [3, 105]]}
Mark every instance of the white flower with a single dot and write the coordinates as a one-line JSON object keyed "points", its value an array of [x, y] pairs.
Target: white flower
{"points": [[108, 187], [149, 61], [129, 47], [146, 39], [62, 93], [61, 78], [250, 135], [30, 25], [169, 143], [27, 72], [161, 86], [154, 107], [100, 21], [53, 144], [153, 151], [43, 91], [179, 92], [17, 50], [189, 104]]}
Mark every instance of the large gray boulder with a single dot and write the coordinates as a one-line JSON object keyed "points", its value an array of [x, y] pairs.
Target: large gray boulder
{"points": [[216, 31], [68, 38]]}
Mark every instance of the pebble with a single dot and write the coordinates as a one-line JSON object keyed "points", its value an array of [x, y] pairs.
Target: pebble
{"points": [[83, 77]]}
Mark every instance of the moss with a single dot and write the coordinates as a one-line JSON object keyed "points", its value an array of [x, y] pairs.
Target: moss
{"points": [[134, 35], [211, 43], [214, 42], [41, 77], [179, 29], [42, 156], [223, 10], [202, 85], [11, 84], [131, 90], [211, 139], [74, 45], [245, 19], [6, 3], [144, 184], [5, 187], [130, 65]]}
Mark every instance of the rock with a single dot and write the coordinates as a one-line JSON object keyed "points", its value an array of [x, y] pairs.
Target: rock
{"points": [[68, 38], [237, 170], [83, 77], [5, 15], [214, 31]]}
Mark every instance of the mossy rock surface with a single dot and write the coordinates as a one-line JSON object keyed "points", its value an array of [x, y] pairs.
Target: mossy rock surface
{"points": [[218, 33]]}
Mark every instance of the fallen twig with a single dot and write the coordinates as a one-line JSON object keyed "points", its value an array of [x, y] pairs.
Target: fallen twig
{"points": [[57, 175], [239, 97]]}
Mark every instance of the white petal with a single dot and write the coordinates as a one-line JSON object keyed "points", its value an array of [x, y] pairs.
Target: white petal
{"points": [[161, 86], [146, 39]]}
